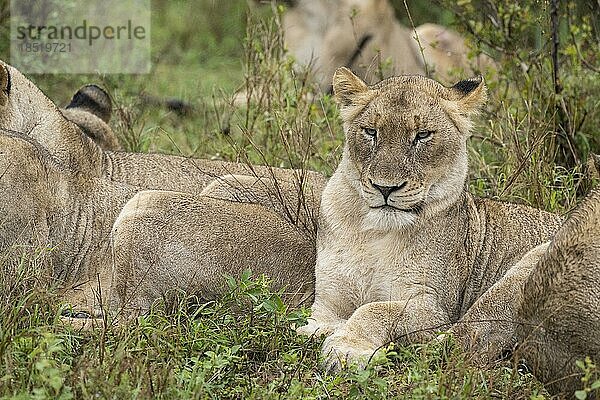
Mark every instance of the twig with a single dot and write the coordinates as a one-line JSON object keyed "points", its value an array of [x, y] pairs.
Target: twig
{"points": [[569, 150], [578, 50], [555, 44], [488, 139], [421, 48]]}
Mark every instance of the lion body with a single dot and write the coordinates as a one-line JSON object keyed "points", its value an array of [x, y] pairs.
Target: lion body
{"points": [[560, 302], [551, 315], [365, 35], [73, 196], [403, 250]]}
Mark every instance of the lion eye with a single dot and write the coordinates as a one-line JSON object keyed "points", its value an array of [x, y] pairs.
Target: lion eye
{"points": [[370, 132], [423, 135]]}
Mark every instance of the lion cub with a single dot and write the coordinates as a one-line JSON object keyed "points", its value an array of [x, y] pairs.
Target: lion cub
{"points": [[403, 249]]}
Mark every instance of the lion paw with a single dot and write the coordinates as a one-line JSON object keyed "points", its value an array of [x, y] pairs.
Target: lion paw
{"points": [[315, 328], [341, 351]]}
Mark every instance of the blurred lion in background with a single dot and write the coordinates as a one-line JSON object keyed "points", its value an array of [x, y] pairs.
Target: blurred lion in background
{"points": [[365, 35]]}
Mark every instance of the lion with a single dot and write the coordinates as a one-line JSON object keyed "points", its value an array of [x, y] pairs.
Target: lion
{"points": [[365, 35], [90, 109], [558, 314], [25, 109], [551, 315], [46, 205], [289, 197], [403, 249]]}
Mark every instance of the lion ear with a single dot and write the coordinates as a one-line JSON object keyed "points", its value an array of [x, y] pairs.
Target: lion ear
{"points": [[93, 99], [347, 87], [470, 94], [463, 100], [4, 85]]}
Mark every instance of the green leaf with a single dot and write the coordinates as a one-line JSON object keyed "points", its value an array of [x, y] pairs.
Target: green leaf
{"points": [[581, 394]]}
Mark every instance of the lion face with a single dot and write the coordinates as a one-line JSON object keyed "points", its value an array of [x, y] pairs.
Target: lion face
{"points": [[406, 142]]}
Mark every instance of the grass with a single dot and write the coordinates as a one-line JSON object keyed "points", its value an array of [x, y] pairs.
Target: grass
{"points": [[244, 345]]}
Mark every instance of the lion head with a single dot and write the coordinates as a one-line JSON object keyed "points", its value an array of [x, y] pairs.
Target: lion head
{"points": [[26, 110], [405, 146]]}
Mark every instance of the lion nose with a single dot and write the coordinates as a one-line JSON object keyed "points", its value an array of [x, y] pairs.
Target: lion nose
{"points": [[387, 190]]}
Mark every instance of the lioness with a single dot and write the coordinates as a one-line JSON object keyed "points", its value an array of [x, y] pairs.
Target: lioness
{"points": [[552, 311], [43, 204], [364, 35], [403, 249], [25, 109], [559, 313]]}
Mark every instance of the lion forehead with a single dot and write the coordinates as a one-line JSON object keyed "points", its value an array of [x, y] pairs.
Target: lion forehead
{"points": [[404, 110]]}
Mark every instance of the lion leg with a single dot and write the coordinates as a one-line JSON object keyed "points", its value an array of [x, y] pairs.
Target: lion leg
{"points": [[86, 301], [373, 325], [490, 324], [168, 242], [322, 322], [82, 323]]}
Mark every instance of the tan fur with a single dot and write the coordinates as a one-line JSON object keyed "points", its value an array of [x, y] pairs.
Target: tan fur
{"points": [[326, 33], [239, 222], [96, 184], [151, 263], [446, 52], [161, 242], [98, 130], [304, 25], [552, 311], [90, 109], [412, 265], [46, 205], [30, 112], [593, 166], [390, 42], [560, 308]]}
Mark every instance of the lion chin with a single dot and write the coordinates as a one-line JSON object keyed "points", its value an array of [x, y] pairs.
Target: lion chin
{"points": [[388, 218]]}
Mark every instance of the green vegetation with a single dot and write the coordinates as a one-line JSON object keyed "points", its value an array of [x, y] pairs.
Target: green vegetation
{"points": [[244, 345]]}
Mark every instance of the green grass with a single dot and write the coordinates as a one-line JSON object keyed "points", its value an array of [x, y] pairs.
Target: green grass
{"points": [[244, 345]]}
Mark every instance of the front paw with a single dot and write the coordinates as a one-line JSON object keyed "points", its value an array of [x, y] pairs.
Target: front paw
{"points": [[315, 328], [340, 351]]}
